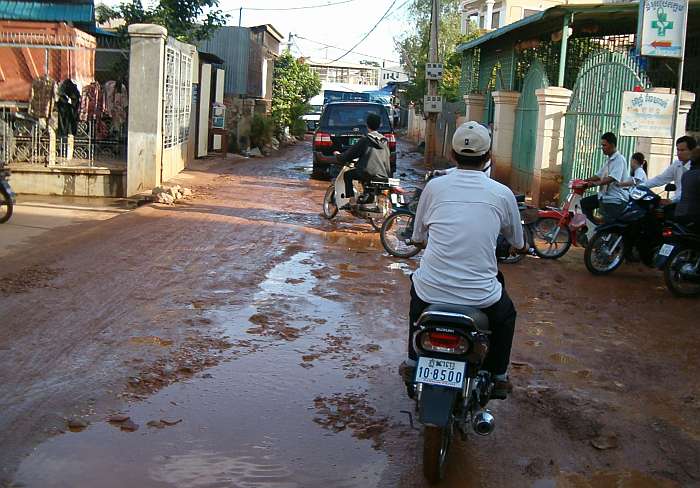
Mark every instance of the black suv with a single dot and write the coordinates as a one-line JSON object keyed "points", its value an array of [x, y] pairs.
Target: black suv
{"points": [[341, 125]]}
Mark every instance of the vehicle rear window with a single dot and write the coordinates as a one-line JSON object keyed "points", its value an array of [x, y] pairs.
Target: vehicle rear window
{"points": [[354, 115]]}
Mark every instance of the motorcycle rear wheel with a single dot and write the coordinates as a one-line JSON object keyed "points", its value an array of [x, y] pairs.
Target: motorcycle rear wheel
{"points": [[436, 444], [392, 235], [672, 274], [602, 265], [6, 206], [330, 209], [542, 238]]}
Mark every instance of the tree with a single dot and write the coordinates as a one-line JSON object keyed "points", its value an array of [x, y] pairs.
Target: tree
{"points": [[293, 85], [413, 48], [186, 20]]}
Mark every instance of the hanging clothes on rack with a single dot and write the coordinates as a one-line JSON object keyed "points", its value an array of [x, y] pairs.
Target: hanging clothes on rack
{"points": [[68, 107], [92, 102], [116, 103], [43, 97]]}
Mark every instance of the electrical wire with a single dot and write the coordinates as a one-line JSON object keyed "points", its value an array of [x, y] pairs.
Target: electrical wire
{"points": [[371, 30], [305, 7], [296, 36]]}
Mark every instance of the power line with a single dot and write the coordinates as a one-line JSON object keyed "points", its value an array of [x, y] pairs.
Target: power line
{"points": [[295, 8], [370, 31], [296, 36]]}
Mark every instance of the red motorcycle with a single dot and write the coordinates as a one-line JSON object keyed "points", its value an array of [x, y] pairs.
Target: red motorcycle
{"points": [[556, 229]]}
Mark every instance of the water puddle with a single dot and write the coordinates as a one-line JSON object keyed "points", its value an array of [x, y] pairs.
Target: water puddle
{"points": [[627, 479], [405, 268], [260, 418]]}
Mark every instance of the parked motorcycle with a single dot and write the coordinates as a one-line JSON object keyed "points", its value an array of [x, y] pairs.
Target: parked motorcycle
{"points": [[7, 196], [450, 389], [374, 202], [558, 228], [679, 257], [636, 234]]}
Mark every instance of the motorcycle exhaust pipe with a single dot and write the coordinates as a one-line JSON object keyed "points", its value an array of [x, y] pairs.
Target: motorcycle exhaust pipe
{"points": [[483, 423]]}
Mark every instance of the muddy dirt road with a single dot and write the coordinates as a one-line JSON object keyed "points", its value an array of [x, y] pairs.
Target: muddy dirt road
{"points": [[241, 340]]}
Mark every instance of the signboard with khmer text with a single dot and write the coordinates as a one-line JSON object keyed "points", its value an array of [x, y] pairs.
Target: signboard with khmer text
{"points": [[647, 114], [663, 28]]}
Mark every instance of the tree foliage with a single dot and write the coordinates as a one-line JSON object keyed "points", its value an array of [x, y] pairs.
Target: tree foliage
{"points": [[186, 20], [413, 48], [294, 83]]}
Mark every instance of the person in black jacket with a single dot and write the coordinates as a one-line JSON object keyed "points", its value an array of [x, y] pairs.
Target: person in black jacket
{"points": [[374, 156], [688, 208]]}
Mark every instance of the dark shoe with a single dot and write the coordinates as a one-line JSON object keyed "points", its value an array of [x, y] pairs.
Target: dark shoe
{"points": [[345, 207], [501, 390]]}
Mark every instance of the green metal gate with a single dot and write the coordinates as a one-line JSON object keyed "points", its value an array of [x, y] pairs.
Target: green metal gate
{"points": [[595, 108], [525, 132]]}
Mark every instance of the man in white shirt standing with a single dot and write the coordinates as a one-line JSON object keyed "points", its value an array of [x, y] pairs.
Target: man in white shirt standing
{"points": [[612, 197], [458, 220], [674, 172]]}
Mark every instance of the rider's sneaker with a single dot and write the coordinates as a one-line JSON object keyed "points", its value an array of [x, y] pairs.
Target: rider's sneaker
{"points": [[501, 389]]}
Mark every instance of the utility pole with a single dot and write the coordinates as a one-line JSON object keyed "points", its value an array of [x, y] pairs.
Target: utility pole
{"points": [[240, 17], [289, 42], [433, 84]]}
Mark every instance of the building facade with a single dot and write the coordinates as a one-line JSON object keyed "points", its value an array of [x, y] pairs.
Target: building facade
{"points": [[346, 73]]}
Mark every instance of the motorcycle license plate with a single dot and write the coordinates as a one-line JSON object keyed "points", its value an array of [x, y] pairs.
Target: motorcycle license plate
{"points": [[666, 250], [394, 198], [440, 372]]}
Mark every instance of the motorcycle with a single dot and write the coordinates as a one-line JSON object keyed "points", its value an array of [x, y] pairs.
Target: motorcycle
{"points": [[556, 229], [679, 257], [450, 389], [374, 202], [637, 233], [7, 196], [397, 229]]}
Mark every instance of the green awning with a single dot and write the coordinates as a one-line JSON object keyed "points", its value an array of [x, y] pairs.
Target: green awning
{"points": [[47, 11]]}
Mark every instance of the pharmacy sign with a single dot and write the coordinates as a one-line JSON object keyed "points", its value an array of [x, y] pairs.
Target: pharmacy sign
{"points": [[663, 28]]}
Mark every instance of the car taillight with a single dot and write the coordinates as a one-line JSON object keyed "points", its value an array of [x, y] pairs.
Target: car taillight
{"points": [[322, 139], [392, 141], [444, 342], [667, 232]]}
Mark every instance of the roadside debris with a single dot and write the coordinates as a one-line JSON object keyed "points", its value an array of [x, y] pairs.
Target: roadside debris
{"points": [[170, 194]]}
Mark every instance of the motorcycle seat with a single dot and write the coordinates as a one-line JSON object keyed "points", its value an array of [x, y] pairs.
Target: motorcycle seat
{"points": [[455, 315]]}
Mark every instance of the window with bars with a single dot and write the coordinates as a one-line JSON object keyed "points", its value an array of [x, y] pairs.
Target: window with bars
{"points": [[178, 97]]}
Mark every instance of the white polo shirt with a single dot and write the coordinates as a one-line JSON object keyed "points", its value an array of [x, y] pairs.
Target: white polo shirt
{"points": [[616, 168], [672, 174], [461, 215]]}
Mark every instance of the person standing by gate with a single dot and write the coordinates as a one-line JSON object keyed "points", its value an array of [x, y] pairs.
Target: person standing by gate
{"points": [[612, 197]]}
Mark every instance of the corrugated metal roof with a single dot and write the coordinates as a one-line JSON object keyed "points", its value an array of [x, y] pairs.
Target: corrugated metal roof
{"points": [[47, 12]]}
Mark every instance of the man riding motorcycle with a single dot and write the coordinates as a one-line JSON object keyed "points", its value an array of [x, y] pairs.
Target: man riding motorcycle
{"points": [[458, 221], [373, 154]]}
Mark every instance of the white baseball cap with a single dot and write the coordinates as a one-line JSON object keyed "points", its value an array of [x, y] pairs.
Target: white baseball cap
{"points": [[471, 139]]}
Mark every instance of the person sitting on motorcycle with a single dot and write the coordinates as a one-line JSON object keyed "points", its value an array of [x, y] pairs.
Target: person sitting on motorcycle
{"points": [[458, 221], [674, 173], [612, 197], [687, 210], [638, 171], [374, 156]]}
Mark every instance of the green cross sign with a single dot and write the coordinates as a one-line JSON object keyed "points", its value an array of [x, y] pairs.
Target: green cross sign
{"points": [[662, 24]]}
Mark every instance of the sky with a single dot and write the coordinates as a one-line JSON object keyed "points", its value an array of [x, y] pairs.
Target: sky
{"points": [[337, 25]]}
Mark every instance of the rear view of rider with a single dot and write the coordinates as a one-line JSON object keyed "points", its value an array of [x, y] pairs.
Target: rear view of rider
{"points": [[458, 220], [374, 157]]}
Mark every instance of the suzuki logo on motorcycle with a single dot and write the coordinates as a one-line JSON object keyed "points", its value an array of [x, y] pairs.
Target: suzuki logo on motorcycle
{"points": [[356, 129]]}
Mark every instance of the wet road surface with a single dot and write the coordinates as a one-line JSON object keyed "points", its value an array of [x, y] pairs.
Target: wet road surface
{"points": [[251, 343]]}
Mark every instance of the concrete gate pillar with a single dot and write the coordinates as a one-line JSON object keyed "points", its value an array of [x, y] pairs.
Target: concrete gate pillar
{"points": [[146, 71], [474, 107], [505, 103], [546, 175], [658, 149]]}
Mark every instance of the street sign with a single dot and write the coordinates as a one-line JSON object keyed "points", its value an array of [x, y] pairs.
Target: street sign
{"points": [[432, 104], [647, 114], [663, 28]]}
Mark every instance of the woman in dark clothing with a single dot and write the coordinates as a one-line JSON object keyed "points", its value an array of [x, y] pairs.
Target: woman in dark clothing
{"points": [[688, 209]]}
